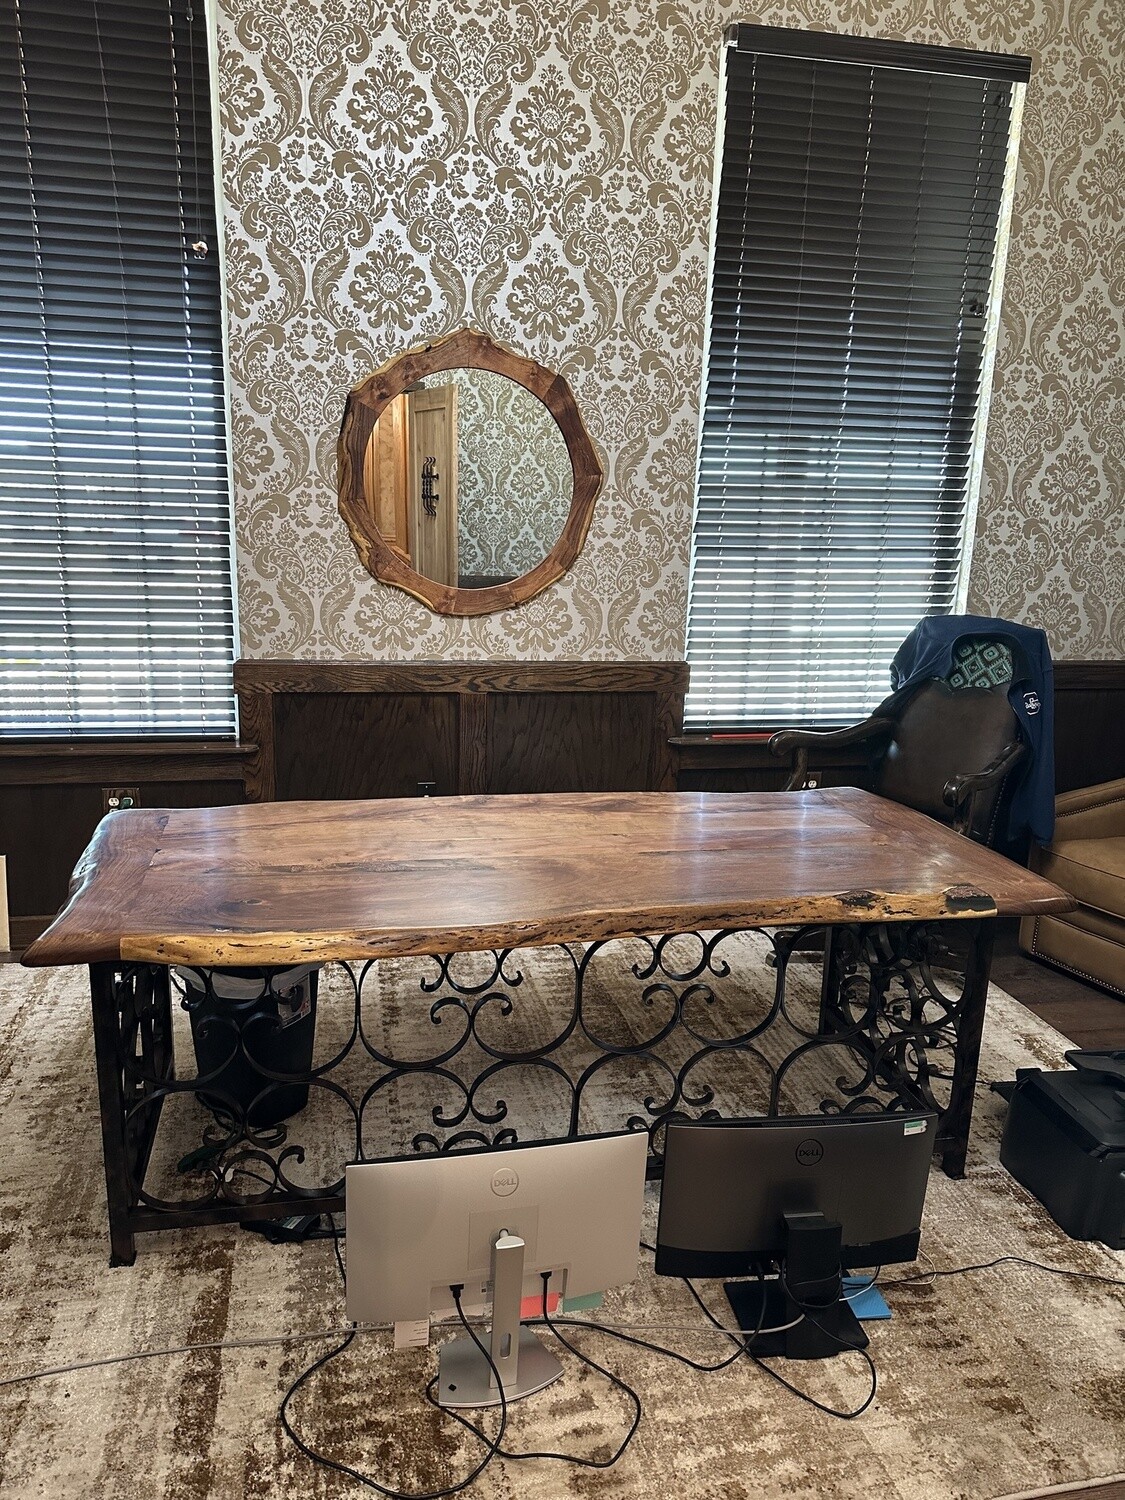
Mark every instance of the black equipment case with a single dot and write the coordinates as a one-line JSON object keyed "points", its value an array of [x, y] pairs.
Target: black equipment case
{"points": [[1064, 1139]]}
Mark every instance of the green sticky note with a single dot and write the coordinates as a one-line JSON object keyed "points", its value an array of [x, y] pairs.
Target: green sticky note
{"points": [[583, 1304]]}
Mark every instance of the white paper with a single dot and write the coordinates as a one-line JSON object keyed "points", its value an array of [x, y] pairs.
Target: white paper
{"points": [[414, 1334]]}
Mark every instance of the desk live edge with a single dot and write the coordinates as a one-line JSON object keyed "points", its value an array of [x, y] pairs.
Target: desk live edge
{"points": [[271, 885]]}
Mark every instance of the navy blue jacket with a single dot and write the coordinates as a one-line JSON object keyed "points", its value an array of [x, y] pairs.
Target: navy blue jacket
{"points": [[928, 652]]}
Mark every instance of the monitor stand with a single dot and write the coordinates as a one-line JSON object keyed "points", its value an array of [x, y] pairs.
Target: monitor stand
{"points": [[524, 1365], [810, 1279]]}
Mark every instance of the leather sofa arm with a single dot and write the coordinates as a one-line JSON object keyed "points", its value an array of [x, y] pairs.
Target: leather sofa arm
{"points": [[798, 742], [1091, 812]]}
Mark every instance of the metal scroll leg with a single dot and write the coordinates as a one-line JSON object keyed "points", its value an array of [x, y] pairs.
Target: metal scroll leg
{"points": [[134, 1056], [969, 1027], [111, 1096], [829, 986]]}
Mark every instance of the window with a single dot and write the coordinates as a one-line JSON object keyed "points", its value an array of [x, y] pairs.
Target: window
{"points": [[857, 216], [116, 610]]}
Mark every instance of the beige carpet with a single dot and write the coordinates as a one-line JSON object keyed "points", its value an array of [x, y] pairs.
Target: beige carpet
{"points": [[997, 1383]]}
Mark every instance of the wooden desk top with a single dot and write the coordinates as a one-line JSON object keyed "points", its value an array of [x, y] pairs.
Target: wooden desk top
{"points": [[282, 882]]}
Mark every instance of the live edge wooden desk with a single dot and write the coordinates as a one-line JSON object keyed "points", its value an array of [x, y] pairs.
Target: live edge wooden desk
{"points": [[286, 883]]}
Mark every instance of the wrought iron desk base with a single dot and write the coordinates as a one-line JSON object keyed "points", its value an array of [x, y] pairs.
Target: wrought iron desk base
{"points": [[903, 1026]]}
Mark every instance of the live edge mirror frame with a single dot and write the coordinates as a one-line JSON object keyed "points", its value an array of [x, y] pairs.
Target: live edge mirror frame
{"points": [[367, 400]]}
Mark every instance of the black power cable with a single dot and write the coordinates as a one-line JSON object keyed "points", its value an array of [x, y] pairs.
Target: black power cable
{"points": [[829, 1411], [492, 1444], [925, 1277], [631, 1338], [742, 1350], [569, 1458]]}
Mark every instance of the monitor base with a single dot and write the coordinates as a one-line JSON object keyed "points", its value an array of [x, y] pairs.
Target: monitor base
{"points": [[835, 1330], [465, 1379]]}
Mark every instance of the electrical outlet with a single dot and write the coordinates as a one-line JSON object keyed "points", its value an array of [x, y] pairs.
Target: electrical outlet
{"points": [[114, 798]]}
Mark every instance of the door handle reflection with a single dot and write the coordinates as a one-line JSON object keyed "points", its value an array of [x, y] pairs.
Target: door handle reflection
{"points": [[430, 496]]}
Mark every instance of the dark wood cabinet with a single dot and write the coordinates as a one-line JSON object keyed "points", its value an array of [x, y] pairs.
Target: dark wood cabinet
{"points": [[346, 730]]}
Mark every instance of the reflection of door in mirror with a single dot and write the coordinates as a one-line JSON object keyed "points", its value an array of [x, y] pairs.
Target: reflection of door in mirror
{"points": [[414, 503], [384, 476], [432, 482]]}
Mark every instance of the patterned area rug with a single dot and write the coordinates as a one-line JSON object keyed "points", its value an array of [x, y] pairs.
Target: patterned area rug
{"points": [[994, 1383]]}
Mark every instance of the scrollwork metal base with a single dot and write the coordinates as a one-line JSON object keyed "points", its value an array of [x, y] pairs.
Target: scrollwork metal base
{"points": [[489, 1049]]}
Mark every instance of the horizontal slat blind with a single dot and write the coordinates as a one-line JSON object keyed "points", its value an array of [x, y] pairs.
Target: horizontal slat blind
{"points": [[856, 225], [116, 613]]}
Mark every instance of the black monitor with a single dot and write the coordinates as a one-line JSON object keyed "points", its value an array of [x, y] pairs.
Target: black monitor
{"points": [[807, 1196]]}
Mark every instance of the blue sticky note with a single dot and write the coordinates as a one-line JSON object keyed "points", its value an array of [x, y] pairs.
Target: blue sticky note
{"points": [[868, 1303]]}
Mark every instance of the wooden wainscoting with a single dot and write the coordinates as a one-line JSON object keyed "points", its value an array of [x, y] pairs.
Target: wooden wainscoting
{"points": [[1089, 723], [1089, 742], [743, 763], [53, 795], [350, 730]]}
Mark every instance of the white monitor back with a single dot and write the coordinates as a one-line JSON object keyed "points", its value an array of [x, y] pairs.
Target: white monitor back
{"points": [[417, 1226]]}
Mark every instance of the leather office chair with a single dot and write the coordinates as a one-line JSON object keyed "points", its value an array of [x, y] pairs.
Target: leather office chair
{"points": [[944, 747]]}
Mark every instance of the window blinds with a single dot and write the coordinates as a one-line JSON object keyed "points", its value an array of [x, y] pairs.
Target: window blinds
{"points": [[857, 213], [116, 615]]}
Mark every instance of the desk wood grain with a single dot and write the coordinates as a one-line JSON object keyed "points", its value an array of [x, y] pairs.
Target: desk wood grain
{"points": [[283, 882]]}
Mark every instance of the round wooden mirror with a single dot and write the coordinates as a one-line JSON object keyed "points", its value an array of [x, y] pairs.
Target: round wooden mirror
{"points": [[466, 475]]}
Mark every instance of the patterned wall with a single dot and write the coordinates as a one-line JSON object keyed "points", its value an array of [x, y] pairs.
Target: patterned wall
{"points": [[513, 475], [543, 173]]}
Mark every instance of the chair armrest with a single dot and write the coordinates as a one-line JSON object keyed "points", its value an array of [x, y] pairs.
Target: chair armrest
{"points": [[790, 739], [1092, 811], [799, 742], [960, 792], [960, 788]]}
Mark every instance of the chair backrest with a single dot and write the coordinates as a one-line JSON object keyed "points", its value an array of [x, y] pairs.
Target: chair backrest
{"points": [[980, 662], [944, 731]]}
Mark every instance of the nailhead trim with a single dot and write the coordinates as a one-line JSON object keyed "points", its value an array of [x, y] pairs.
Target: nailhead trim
{"points": [[1070, 969]]}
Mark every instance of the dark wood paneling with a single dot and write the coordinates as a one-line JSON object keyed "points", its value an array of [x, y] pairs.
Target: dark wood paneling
{"points": [[52, 799], [731, 764], [347, 745], [1089, 723], [46, 828], [357, 729], [459, 677], [473, 745], [22, 932], [570, 742], [1089, 742], [39, 762], [256, 714]]}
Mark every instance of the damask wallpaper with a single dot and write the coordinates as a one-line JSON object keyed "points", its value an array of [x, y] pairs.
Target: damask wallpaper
{"points": [[543, 173], [513, 475]]}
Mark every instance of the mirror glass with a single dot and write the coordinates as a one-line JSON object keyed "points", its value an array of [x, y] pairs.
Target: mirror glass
{"points": [[466, 475], [468, 478]]}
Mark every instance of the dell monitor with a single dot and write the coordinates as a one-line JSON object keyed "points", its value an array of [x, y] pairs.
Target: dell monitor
{"points": [[810, 1195], [492, 1220]]}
